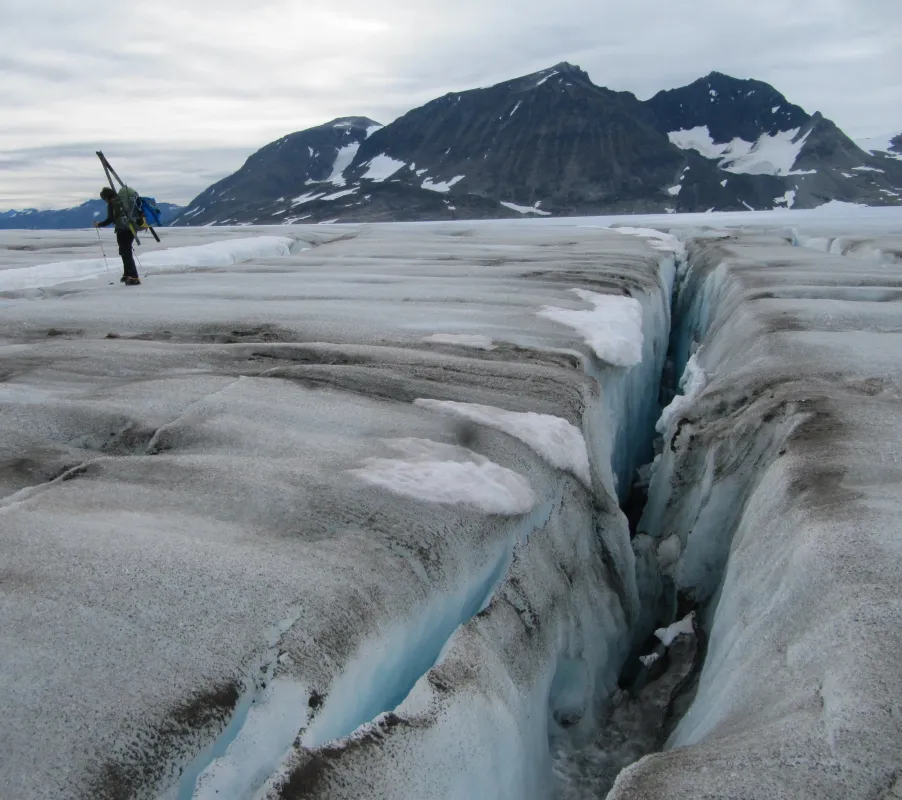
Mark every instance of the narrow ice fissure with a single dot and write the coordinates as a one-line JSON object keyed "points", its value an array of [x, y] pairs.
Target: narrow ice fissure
{"points": [[267, 721], [683, 557], [389, 666], [255, 682]]}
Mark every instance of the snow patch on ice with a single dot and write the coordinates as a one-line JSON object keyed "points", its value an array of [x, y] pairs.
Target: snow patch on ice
{"points": [[526, 209], [868, 169], [880, 145], [462, 339], [343, 159], [666, 242], [650, 659], [550, 75], [559, 442], [788, 199], [612, 327], [684, 626], [382, 167], [336, 195], [771, 155], [692, 383], [442, 186], [306, 198], [519, 103], [443, 473], [675, 190]]}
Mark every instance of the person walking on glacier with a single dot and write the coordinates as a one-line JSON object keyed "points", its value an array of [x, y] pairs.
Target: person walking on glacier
{"points": [[116, 213]]}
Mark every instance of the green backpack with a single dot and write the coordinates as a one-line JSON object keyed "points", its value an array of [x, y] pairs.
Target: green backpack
{"points": [[131, 207]]}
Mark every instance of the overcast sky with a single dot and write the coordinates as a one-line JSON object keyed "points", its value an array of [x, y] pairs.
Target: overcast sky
{"points": [[178, 97]]}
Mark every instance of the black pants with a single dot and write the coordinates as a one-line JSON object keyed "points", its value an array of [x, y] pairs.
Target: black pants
{"points": [[124, 239]]}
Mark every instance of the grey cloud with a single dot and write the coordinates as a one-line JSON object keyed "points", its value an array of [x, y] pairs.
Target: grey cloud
{"points": [[70, 174], [213, 81]]}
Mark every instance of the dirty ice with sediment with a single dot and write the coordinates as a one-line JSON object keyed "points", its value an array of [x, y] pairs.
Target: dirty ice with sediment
{"points": [[551, 508]]}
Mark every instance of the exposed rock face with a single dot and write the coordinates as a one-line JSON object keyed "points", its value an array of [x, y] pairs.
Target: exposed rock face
{"points": [[555, 143], [730, 108]]}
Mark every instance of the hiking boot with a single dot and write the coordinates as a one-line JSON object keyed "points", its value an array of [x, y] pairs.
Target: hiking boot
{"points": [[132, 282]]}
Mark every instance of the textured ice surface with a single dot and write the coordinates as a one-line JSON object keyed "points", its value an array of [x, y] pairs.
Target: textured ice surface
{"points": [[194, 579]]}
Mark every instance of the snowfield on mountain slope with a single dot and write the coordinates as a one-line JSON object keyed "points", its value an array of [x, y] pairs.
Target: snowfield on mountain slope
{"points": [[185, 474], [770, 155]]}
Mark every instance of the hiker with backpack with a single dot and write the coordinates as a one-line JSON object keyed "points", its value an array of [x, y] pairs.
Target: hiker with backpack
{"points": [[121, 211]]}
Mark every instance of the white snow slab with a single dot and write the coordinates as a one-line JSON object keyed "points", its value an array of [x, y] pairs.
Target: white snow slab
{"points": [[679, 628], [526, 209], [382, 167], [441, 186], [441, 473], [770, 155], [788, 199], [612, 328], [343, 159], [661, 240], [559, 442], [306, 198], [692, 383], [336, 195], [879, 145]]}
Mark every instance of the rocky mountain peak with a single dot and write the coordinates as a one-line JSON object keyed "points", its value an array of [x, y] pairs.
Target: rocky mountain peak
{"points": [[731, 108]]}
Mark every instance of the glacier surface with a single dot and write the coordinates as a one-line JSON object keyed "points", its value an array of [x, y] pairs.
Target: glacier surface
{"points": [[337, 512]]}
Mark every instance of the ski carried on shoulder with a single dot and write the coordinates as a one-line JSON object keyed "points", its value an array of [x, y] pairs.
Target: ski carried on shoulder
{"points": [[137, 211]]}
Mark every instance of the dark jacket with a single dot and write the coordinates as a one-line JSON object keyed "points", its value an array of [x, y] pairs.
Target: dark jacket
{"points": [[115, 214]]}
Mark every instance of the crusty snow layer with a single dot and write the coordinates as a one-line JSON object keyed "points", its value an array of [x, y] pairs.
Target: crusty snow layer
{"points": [[441, 473], [555, 439], [612, 327]]}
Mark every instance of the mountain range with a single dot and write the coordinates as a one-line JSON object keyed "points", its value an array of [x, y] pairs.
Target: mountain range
{"points": [[549, 143], [68, 218], [555, 143]]}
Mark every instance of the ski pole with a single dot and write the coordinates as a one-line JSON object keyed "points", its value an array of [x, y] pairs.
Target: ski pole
{"points": [[100, 239]]}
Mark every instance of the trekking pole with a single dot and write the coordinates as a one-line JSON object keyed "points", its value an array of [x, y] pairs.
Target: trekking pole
{"points": [[140, 265], [100, 239]]}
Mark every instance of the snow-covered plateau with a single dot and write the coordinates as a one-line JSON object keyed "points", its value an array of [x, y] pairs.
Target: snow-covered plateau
{"points": [[543, 508]]}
